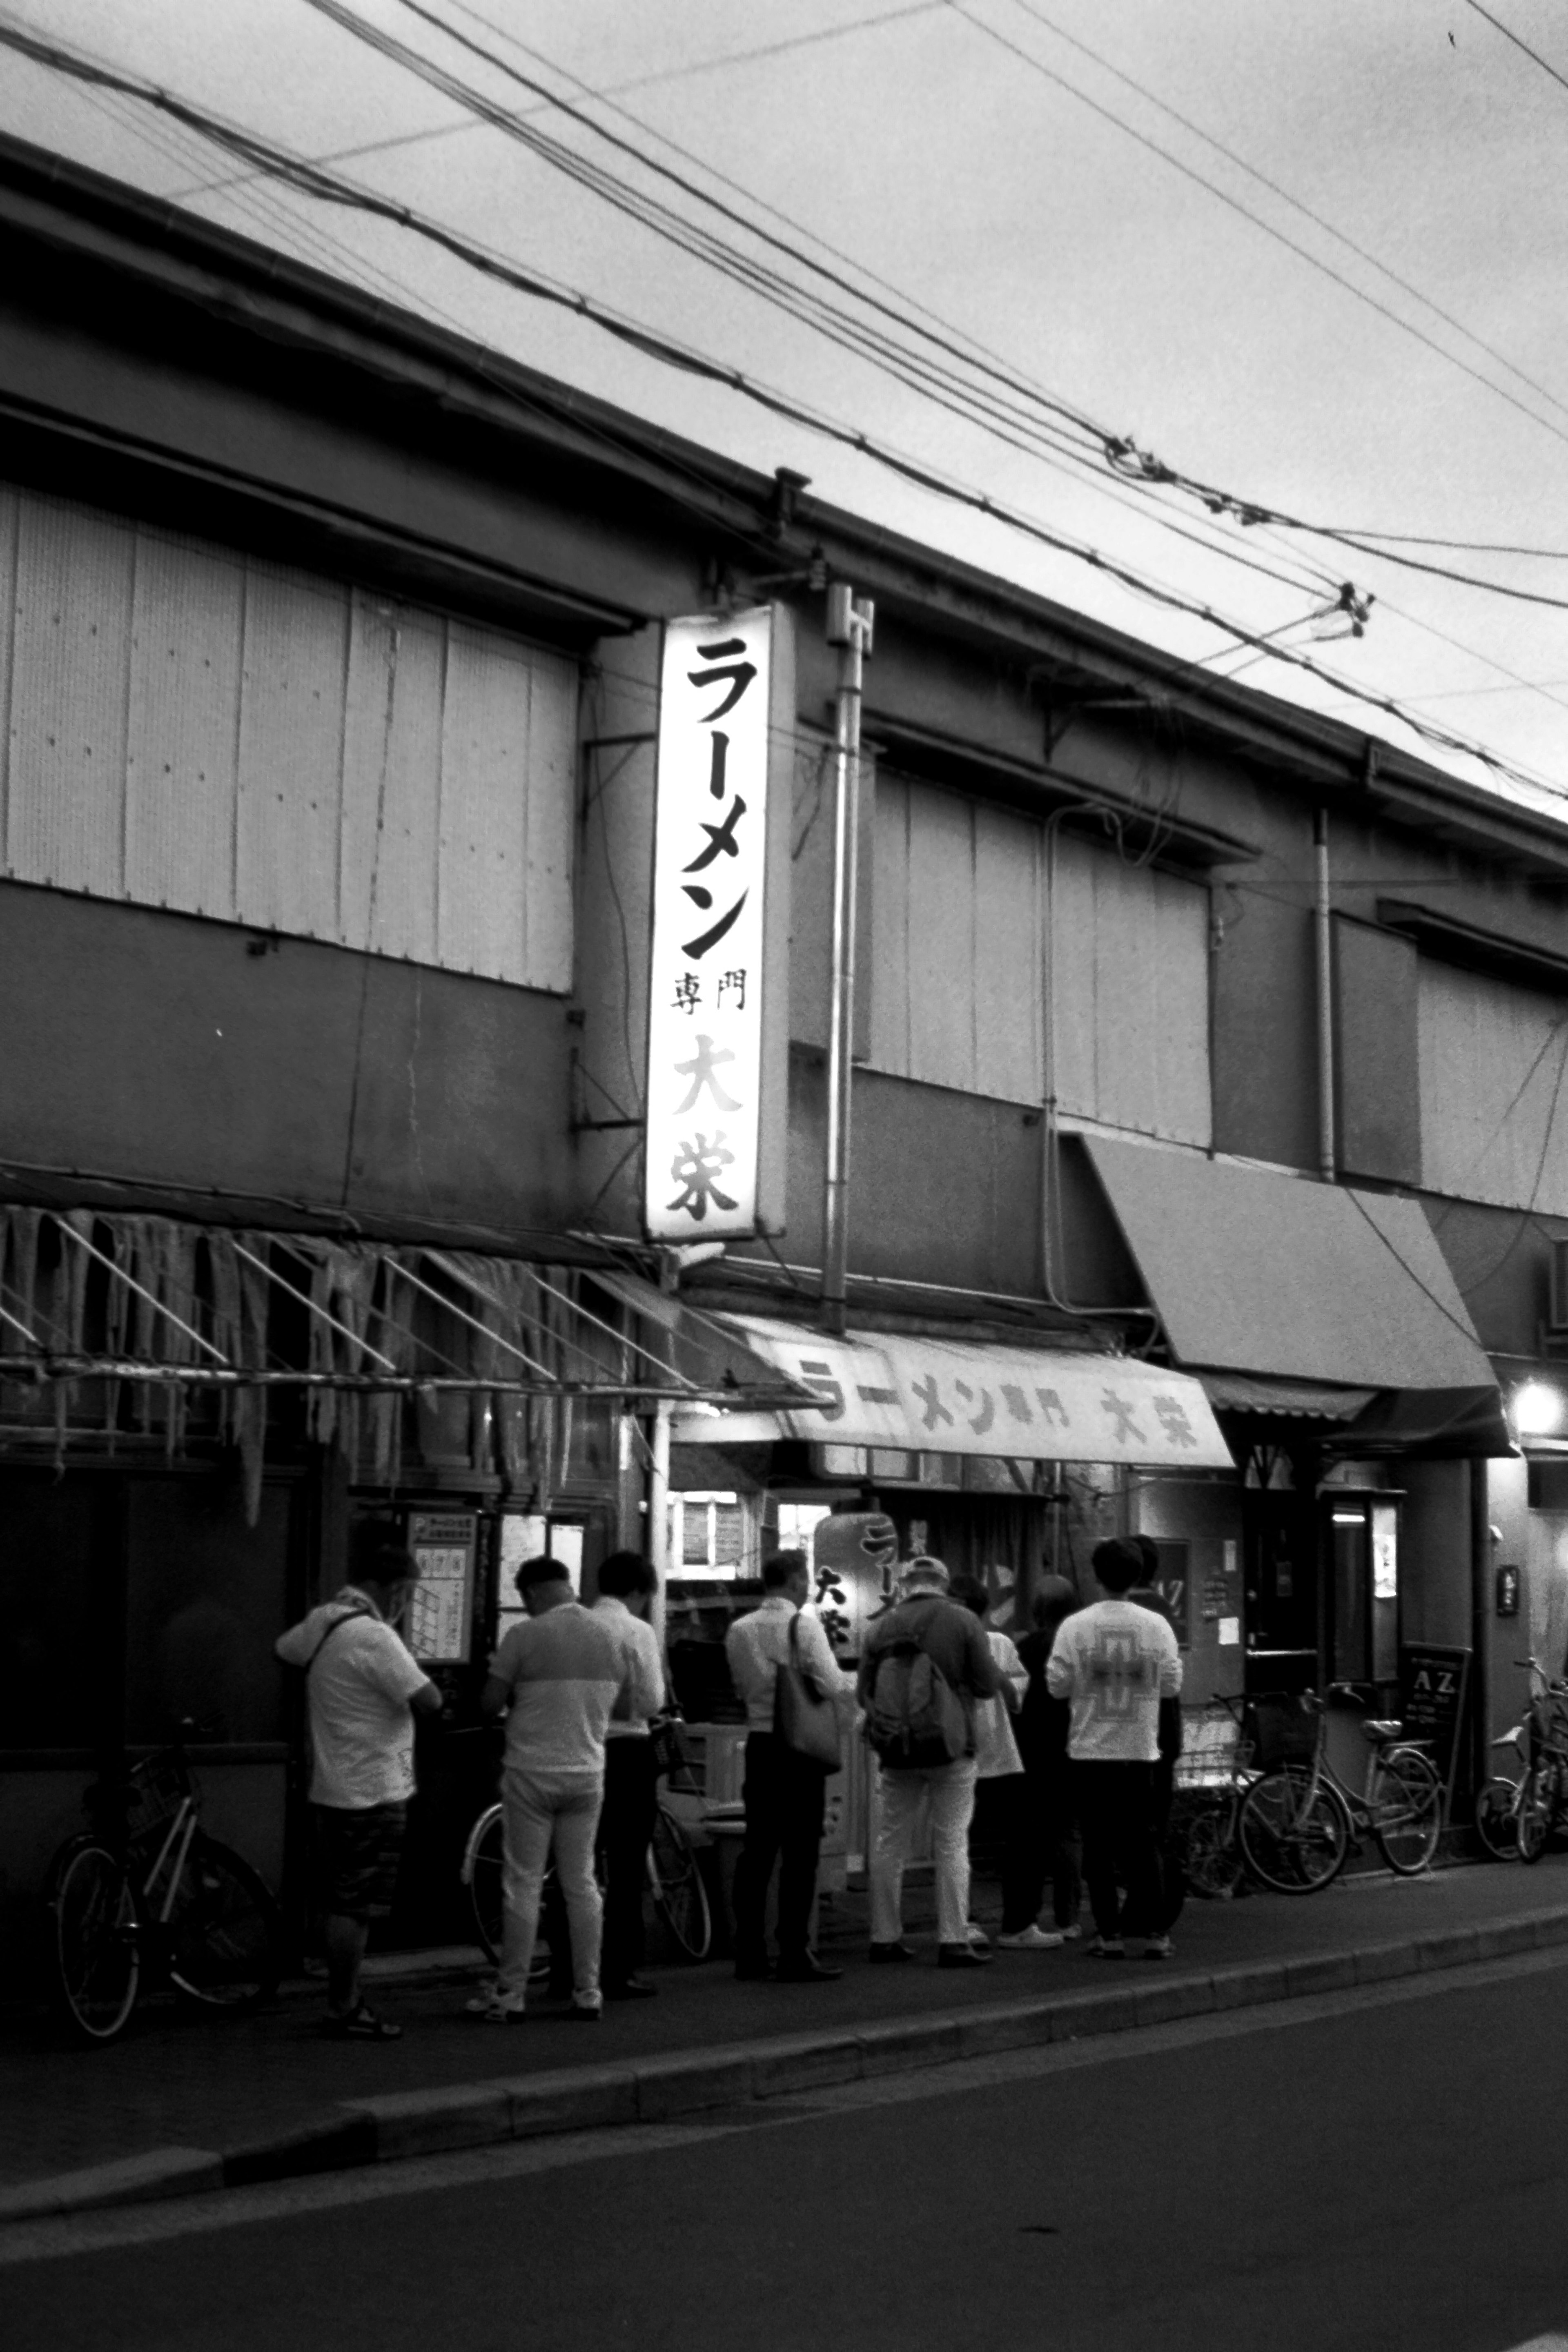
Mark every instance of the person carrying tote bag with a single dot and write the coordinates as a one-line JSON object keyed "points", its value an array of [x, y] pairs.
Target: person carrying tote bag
{"points": [[785, 1671], [806, 1715]]}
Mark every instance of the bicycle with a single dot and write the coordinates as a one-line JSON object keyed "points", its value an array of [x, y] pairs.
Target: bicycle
{"points": [[1298, 1821], [1214, 1773], [1514, 1818], [674, 1874], [154, 1886]]}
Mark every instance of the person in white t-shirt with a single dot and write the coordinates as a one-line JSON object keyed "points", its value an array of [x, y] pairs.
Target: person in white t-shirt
{"points": [[363, 1688], [1114, 1663]]}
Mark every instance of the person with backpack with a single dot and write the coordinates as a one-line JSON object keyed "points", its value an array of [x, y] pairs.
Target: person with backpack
{"points": [[925, 1665], [1114, 1663], [362, 1689]]}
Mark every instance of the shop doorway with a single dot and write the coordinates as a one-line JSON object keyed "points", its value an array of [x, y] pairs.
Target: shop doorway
{"points": [[1279, 1557]]}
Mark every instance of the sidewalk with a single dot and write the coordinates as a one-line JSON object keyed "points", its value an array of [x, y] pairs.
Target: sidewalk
{"points": [[272, 2085]]}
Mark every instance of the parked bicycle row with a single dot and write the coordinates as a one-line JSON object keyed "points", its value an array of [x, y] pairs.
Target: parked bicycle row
{"points": [[1065, 1758]]}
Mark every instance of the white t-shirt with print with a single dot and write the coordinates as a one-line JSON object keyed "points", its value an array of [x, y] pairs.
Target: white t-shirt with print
{"points": [[1115, 1662], [358, 1690]]}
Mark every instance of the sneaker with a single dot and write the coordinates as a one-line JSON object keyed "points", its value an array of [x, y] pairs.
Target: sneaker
{"points": [[1030, 1940], [884, 1955], [977, 1935], [1070, 1935], [586, 2009], [1106, 1947], [496, 2008], [1159, 1948], [961, 1956]]}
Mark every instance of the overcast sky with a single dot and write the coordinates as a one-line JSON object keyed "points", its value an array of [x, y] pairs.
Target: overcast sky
{"points": [[995, 161]]}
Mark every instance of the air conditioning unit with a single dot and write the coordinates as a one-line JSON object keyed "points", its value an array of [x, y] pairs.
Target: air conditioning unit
{"points": [[1557, 1294]]}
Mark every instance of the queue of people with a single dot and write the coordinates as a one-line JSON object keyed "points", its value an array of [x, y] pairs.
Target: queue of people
{"points": [[1066, 1739]]}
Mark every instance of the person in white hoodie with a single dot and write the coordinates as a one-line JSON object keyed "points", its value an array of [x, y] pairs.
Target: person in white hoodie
{"points": [[1114, 1663]]}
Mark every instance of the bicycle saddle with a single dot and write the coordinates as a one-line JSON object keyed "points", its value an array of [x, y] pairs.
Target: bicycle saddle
{"points": [[1379, 1728]]}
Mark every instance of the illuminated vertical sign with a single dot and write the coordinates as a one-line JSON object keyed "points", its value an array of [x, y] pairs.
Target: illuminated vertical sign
{"points": [[718, 1012]]}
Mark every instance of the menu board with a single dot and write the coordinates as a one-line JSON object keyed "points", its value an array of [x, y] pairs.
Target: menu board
{"points": [[439, 1624]]}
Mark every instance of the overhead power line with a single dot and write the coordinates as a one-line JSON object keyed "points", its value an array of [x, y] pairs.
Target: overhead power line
{"points": [[1285, 196], [1302, 252], [297, 171]]}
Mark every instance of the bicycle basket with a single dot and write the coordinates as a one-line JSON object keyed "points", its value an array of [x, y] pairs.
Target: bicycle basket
{"points": [[1211, 1747], [155, 1792], [1286, 1732], [675, 1757]]}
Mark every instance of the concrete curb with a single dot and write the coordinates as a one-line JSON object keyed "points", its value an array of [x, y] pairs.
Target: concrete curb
{"points": [[688, 2082]]}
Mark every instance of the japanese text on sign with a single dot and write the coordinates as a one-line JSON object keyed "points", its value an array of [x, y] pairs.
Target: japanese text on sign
{"points": [[705, 1006], [440, 1604]]}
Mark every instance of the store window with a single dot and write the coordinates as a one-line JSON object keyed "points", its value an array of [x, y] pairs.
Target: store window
{"points": [[529, 1535]]}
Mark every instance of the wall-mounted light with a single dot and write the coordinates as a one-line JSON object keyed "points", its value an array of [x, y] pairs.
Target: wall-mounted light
{"points": [[1537, 1409]]}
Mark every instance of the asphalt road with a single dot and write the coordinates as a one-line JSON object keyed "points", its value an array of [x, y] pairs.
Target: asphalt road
{"points": [[1381, 2168]]}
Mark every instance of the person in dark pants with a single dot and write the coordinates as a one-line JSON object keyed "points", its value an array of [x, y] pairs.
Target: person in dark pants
{"points": [[1114, 1663], [785, 1793], [1041, 1732], [626, 1586]]}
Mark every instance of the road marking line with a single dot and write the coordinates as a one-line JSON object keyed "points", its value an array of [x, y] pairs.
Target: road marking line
{"points": [[133, 2225], [1553, 2343]]}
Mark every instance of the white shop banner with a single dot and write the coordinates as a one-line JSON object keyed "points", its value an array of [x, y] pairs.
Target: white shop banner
{"points": [[938, 1396], [710, 925]]}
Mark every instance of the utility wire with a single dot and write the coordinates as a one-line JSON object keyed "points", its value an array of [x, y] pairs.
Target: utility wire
{"points": [[1274, 187], [937, 382], [311, 178], [1303, 253]]}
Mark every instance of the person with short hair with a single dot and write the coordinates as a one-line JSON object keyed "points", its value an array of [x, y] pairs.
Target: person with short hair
{"points": [[1114, 1663], [785, 1793], [362, 1692], [951, 1637], [627, 1583], [556, 1677], [1001, 1791]]}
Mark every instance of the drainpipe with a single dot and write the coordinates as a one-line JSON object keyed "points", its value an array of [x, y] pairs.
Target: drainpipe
{"points": [[850, 620], [1323, 940], [658, 1477]]}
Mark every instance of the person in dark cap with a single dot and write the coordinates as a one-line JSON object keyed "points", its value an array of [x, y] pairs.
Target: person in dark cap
{"points": [[1114, 1663]]}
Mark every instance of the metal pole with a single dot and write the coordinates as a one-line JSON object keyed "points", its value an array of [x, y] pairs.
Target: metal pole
{"points": [[850, 622], [658, 1476], [1324, 943]]}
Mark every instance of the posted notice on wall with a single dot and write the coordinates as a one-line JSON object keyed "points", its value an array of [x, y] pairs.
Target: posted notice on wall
{"points": [[439, 1624], [716, 925]]}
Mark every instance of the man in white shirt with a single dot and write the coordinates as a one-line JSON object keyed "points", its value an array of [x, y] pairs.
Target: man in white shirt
{"points": [[361, 1689], [626, 1586], [1114, 1663], [556, 1677], [784, 1792]]}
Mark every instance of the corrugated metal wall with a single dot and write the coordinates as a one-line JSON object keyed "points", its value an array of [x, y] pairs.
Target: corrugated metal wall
{"points": [[960, 969], [187, 727], [1494, 1089]]}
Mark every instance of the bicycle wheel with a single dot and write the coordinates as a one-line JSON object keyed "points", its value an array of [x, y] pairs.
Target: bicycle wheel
{"points": [[484, 1861], [1407, 1811], [1497, 1819], [1537, 1809], [679, 1894], [1294, 1835], [1214, 1858], [225, 1940], [97, 1942], [482, 1864]]}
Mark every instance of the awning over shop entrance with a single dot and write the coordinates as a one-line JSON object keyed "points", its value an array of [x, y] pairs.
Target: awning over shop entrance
{"points": [[1292, 1282], [949, 1396]]}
